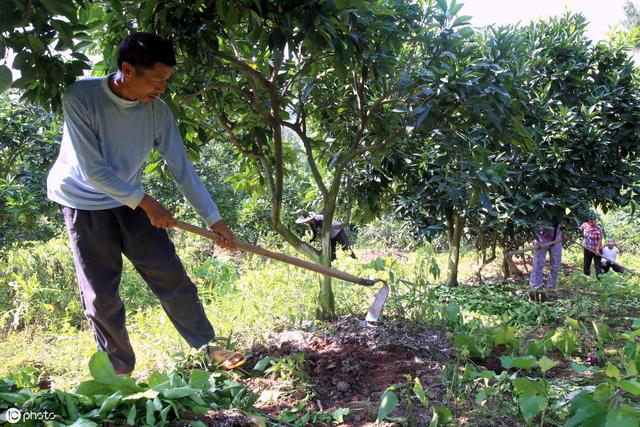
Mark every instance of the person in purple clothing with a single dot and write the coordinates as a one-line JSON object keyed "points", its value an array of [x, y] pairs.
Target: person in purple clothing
{"points": [[544, 235]]}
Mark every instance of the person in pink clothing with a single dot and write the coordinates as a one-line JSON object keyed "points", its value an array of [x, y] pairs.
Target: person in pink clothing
{"points": [[593, 233]]}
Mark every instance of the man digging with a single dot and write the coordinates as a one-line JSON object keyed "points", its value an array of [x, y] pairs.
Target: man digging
{"points": [[110, 126]]}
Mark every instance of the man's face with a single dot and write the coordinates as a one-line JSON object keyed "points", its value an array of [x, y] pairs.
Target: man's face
{"points": [[610, 245], [146, 85], [592, 222]]}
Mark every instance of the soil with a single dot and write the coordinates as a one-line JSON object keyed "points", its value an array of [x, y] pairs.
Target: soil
{"points": [[350, 363], [226, 418], [369, 255]]}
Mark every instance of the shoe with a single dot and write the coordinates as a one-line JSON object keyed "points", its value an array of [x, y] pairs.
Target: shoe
{"points": [[226, 359], [537, 295]]}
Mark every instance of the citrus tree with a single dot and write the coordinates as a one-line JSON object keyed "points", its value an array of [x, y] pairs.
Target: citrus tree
{"points": [[348, 78]]}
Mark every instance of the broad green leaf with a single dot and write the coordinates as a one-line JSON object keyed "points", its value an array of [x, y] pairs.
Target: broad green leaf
{"points": [[618, 418], [199, 378], [339, 414], [612, 371], [530, 406], [481, 396], [179, 392], [444, 413], [503, 334], [466, 32], [83, 422], [419, 391], [35, 44], [70, 403], [150, 417], [131, 416], [5, 78], [157, 404], [15, 398], [388, 403], [147, 394], [93, 388], [535, 348], [526, 387], [434, 420], [545, 363], [163, 415], [60, 7], [581, 369], [156, 379], [461, 20], [110, 403], [631, 386], [101, 368], [586, 411], [462, 342], [521, 362], [263, 364], [604, 391]]}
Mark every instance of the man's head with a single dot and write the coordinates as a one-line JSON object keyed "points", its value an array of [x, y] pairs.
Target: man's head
{"points": [[592, 221], [611, 243], [145, 62]]}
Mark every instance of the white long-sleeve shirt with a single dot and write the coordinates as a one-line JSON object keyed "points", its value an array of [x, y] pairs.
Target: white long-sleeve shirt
{"points": [[105, 142]]}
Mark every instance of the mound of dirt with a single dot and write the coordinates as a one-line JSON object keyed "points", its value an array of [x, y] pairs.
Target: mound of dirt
{"points": [[349, 363], [225, 418]]}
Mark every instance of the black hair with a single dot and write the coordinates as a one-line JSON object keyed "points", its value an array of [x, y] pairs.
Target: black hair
{"points": [[143, 50]]}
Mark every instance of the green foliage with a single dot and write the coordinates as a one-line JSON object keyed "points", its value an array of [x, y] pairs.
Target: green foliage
{"points": [[39, 284], [532, 396], [28, 143], [119, 399], [388, 403], [386, 231], [286, 368], [494, 180], [48, 38]]}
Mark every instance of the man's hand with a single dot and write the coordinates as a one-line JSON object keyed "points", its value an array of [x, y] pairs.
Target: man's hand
{"points": [[226, 240], [159, 216]]}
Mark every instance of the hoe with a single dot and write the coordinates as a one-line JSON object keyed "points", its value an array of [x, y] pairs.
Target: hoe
{"points": [[375, 310]]}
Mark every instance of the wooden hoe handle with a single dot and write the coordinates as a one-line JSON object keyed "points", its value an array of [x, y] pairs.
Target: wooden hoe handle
{"points": [[531, 248], [281, 257]]}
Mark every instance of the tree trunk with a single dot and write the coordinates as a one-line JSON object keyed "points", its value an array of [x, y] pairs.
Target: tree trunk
{"points": [[506, 271], [485, 261], [326, 301], [456, 225], [326, 310], [509, 267], [349, 210]]}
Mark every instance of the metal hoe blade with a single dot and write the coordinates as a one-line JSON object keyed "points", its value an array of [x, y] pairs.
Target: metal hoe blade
{"points": [[373, 315]]}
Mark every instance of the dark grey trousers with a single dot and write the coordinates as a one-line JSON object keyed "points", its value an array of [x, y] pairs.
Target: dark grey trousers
{"points": [[98, 240], [586, 265]]}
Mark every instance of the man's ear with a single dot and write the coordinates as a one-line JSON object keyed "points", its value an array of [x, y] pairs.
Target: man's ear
{"points": [[128, 70]]}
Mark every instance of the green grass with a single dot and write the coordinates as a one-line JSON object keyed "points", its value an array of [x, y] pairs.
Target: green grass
{"points": [[246, 298]]}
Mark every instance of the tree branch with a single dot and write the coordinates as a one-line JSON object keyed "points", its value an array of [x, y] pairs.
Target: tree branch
{"points": [[218, 85], [306, 141], [227, 127], [248, 70]]}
